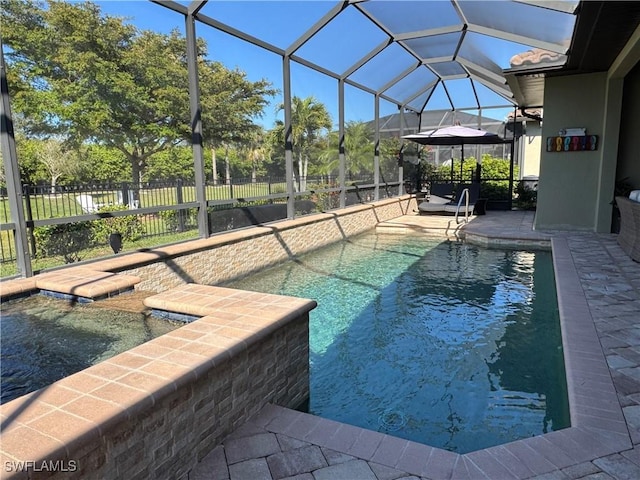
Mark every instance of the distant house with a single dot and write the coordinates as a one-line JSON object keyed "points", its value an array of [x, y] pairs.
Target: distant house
{"points": [[527, 125]]}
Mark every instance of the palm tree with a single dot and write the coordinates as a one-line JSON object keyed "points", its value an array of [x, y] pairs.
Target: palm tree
{"points": [[256, 150], [308, 119], [358, 146]]}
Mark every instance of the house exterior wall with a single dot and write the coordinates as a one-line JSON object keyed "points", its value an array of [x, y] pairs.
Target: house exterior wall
{"points": [[576, 188], [531, 151], [628, 168]]}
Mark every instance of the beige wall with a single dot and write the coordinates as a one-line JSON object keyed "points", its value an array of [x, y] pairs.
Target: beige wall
{"points": [[568, 180], [576, 188], [629, 154], [531, 151]]}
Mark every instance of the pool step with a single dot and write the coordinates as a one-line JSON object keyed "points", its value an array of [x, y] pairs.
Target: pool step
{"points": [[132, 302], [84, 285], [433, 225], [191, 301]]}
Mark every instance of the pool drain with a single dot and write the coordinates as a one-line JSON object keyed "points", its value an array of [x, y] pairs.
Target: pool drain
{"points": [[392, 420]]}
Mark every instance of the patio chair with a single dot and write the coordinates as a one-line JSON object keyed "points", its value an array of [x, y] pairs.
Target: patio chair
{"points": [[87, 203], [437, 204], [443, 190], [629, 236]]}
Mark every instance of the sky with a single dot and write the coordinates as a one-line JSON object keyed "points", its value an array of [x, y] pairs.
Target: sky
{"points": [[339, 45]]}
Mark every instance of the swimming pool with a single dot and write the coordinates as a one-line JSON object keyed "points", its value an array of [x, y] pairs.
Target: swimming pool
{"points": [[442, 343], [45, 339]]}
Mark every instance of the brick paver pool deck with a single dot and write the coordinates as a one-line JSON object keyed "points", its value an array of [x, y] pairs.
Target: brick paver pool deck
{"points": [[599, 296]]}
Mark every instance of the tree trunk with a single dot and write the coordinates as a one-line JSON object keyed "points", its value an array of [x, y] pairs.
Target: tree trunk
{"points": [[301, 179], [305, 166], [227, 167], [136, 175], [214, 166]]}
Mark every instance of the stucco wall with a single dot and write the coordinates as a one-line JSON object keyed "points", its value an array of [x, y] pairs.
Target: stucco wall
{"points": [[531, 142], [569, 181], [629, 154]]}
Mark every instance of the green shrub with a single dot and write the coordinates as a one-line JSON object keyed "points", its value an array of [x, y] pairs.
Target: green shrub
{"points": [[129, 226], [527, 198], [495, 189], [171, 219], [66, 240]]}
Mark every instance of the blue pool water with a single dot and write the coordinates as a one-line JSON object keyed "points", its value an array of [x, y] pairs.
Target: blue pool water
{"points": [[46, 339], [446, 344]]}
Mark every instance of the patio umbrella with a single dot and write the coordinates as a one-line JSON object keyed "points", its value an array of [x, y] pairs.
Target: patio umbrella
{"points": [[455, 135]]}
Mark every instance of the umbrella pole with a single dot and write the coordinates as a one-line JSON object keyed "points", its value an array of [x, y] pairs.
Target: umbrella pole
{"points": [[451, 164], [461, 161]]}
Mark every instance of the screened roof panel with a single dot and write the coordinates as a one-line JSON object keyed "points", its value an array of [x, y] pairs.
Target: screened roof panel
{"points": [[332, 49], [439, 100], [486, 96], [435, 46], [461, 93], [448, 69], [480, 48], [419, 102], [536, 23], [470, 55], [384, 67], [277, 22], [411, 16], [490, 82], [566, 6], [411, 85], [452, 38]]}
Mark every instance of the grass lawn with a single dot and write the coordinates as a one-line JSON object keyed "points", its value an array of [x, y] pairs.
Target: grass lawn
{"points": [[62, 205]]}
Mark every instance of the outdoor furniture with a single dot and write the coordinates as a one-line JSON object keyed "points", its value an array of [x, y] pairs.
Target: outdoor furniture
{"points": [[88, 204], [629, 236], [437, 204], [443, 189]]}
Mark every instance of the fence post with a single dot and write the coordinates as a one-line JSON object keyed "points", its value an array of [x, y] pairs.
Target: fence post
{"points": [[230, 187], [269, 184], [29, 218], [180, 200]]}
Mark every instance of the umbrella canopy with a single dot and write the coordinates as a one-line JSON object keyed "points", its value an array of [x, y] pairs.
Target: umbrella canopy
{"points": [[455, 135]]}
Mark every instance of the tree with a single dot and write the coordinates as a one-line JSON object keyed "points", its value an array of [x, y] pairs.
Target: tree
{"points": [[309, 119], [93, 78], [358, 150], [31, 170], [256, 150], [57, 160], [103, 164], [171, 165], [389, 151]]}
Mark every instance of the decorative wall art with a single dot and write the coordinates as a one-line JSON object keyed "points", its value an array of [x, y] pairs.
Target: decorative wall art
{"points": [[578, 143]]}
